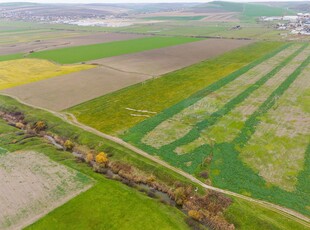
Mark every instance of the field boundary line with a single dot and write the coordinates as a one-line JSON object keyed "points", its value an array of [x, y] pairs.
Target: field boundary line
{"points": [[249, 126], [298, 217], [230, 105], [140, 129], [122, 71], [54, 206]]}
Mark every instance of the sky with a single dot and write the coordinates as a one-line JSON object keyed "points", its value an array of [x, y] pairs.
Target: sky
{"points": [[134, 1]]}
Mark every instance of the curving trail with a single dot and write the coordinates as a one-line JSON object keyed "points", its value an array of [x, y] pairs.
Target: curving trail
{"points": [[70, 118]]}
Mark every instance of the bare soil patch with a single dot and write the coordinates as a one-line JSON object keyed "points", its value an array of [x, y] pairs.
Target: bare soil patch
{"points": [[164, 60], [66, 91], [39, 45], [221, 17], [32, 185], [118, 72], [278, 147]]}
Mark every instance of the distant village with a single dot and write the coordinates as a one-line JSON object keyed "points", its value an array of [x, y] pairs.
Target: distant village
{"points": [[298, 24]]}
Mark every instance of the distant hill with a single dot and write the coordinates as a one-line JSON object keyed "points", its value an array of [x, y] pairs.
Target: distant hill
{"points": [[302, 6], [246, 10]]}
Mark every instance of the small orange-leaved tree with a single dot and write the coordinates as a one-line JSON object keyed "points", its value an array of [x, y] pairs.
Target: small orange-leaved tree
{"points": [[102, 158]]}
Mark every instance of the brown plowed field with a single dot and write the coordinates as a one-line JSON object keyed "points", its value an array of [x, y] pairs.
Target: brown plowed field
{"points": [[66, 91], [118, 72], [32, 185], [65, 42], [221, 17], [164, 60]]}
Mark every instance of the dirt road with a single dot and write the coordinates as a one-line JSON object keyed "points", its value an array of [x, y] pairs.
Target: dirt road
{"points": [[69, 118]]}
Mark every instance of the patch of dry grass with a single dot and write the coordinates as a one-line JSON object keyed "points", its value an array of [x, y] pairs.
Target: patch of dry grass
{"points": [[23, 71], [277, 148]]}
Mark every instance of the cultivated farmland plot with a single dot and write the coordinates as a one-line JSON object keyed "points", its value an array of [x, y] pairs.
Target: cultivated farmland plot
{"points": [[160, 61], [184, 83], [229, 126], [32, 185], [115, 73], [23, 71], [66, 91], [286, 126], [77, 40], [248, 132], [183, 122]]}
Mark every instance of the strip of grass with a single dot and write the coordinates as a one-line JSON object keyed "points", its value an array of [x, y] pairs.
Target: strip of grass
{"points": [[76, 54], [248, 216], [191, 136], [176, 18], [249, 127], [161, 93], [11, 57]]}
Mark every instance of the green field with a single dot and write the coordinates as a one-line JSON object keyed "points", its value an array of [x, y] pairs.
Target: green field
{"points": [[102, 206], [187, 138], [192, 79], [176, 18], [13, 32], [2, 150], [91, 52], [111, 205], [190, 136], [108, 201], [245, 216], [11, 57]]}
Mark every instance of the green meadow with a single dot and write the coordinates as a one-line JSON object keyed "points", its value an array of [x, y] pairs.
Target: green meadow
{"points": [[176, 18], [76, 54], [11, 57]]}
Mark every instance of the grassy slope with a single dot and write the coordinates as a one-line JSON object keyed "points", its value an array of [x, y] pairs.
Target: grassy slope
{"points": [[248, 216], [157, 94], [76, 54], [250, 10], [104, 205], [80, 213], [257, 10], [58, 126], [23, 71]]}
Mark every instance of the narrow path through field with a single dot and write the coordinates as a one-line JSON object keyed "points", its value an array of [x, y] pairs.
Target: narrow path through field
{"points": [[70, 118]]}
